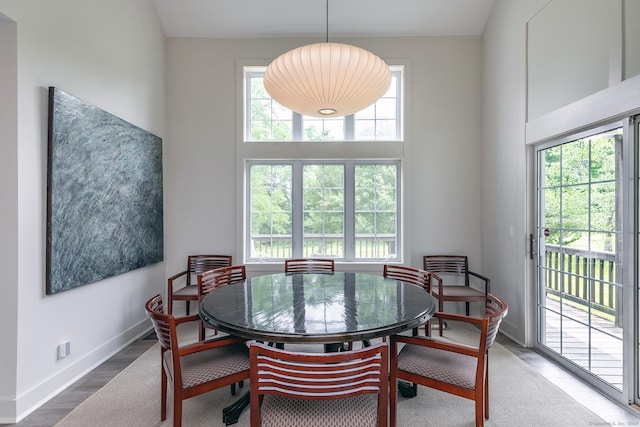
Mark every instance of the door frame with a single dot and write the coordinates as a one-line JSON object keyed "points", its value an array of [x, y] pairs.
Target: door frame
{"points": [[629, 234]]}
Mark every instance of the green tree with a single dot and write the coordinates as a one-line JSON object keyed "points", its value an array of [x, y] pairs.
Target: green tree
{"points": [[579, 189], [271, 199]]}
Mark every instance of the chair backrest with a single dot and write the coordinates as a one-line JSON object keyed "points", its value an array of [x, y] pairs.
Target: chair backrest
{"points": [[197, 264], [207, 282], [412, 275], [309, 265], [447, 265], [319, 376], [496, 310], [227, 275], [163, 324]]}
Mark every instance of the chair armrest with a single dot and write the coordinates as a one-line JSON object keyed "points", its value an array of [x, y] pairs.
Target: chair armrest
{"points": [[170, 281], [486, 280], [458, 318], [176, 276], [440, 283], [184, 319], [438, 279], [209, 344], [437, 344]]}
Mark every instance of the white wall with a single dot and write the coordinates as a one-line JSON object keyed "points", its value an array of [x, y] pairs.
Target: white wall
{"points": [[443, 170], [110, 54], [504, 160], [568, 48], [631, 32], [9, 211]]}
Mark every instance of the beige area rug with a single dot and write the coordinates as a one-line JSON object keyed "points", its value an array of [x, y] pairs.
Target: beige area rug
{"points": [[519, 396]]}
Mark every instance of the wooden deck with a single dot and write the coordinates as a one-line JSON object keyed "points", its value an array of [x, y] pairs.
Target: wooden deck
{"points": [[597, 349]]}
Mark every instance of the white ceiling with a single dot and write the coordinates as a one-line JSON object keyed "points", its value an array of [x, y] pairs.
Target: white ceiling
{"points": [[308, 18]]}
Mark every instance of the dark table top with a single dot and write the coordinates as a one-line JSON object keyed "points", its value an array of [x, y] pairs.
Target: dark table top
{"points": [[317, 307]]}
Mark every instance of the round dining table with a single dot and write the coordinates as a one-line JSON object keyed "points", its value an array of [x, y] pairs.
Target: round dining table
{"points": [[317, 307], [329, 308]]}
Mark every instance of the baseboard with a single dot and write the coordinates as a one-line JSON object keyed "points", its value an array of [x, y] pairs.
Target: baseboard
{"points": [[31, 400], [507, 329]]}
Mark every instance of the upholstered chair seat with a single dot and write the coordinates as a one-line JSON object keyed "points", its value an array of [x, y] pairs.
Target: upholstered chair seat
{"points": [[278, 411]]}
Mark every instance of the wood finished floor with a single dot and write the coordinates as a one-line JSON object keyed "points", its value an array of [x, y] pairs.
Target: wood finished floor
{"points": [[58, 407]]}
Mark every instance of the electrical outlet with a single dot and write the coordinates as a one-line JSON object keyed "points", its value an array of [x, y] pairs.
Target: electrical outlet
{"points": [[64, 349]]}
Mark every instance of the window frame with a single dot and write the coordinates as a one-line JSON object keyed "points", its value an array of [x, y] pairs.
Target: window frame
{"points": [[297, 233], [251, 71]]}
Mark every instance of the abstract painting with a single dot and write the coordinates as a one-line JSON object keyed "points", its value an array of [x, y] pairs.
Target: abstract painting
{"points": [[104, 195]]}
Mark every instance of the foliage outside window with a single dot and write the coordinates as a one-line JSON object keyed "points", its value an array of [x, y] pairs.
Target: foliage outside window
{"points": [[580, 190], [346, 210], [267, 120]]}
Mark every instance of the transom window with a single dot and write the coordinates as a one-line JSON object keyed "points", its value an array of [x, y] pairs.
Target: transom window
{"points": [[346, 210], [266, 120]]}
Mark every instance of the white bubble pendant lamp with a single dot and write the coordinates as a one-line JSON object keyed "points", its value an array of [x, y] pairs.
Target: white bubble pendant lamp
{"points": [[327, 79]]}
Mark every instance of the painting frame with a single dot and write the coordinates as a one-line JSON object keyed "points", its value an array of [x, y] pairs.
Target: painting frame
{"points": [[104, 195]]}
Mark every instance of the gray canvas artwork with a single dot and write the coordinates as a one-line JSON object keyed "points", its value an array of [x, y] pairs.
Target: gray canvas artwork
{"points": [[104, 195]]}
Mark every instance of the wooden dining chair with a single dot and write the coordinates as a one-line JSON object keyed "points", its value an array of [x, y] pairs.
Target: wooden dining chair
{"points": [[197, 368], [212, 279], [456, 284], [336, 389], [309, 265], [196, 264], [415, 276], [459, 369]]}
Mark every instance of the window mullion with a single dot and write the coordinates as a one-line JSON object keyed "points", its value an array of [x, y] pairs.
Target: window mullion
{"points": [[296, 126], [349, 211], [247, 106], [399, 102], [349, 127], [297, 214]]}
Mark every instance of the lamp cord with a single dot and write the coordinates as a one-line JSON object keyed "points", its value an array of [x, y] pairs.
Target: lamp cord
{"points": [[327, 23]]}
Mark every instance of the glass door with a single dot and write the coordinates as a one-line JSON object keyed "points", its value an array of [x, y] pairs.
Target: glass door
{"points": [[580, 255]]}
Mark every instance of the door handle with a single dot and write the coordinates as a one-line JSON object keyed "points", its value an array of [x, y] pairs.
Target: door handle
{"points": [[532, 250]]}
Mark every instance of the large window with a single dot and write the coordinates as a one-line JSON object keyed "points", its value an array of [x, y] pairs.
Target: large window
{"points": [[267, 120], [347, 210]]}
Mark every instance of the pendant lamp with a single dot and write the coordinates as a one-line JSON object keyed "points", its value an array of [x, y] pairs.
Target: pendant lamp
{"points": [[327, 79]]}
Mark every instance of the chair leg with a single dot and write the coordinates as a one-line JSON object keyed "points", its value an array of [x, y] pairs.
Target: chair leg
{"points": [[163, 394], [201, 331], [440, 308], [188, 305], [486, 388], [393, 401], [466, 306], [177, 409], [479, 409]]}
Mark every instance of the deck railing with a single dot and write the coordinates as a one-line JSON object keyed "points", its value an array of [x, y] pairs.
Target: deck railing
{"points": [[584, 277], [328, 245]]}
